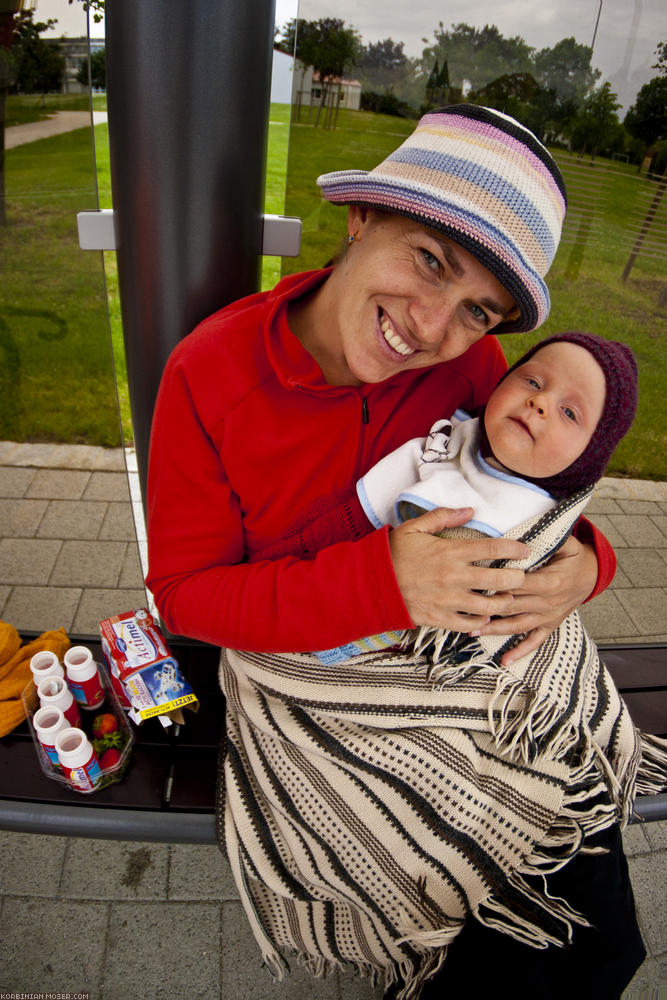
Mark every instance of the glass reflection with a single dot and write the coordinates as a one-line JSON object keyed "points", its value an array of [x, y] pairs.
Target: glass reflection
{"points": [[588, 79]]}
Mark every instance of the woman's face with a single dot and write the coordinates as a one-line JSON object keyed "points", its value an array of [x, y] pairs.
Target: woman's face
{"points": [[409, 298]]}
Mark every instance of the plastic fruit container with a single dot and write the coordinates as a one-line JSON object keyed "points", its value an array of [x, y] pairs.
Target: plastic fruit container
{"points": [[106, 727]]}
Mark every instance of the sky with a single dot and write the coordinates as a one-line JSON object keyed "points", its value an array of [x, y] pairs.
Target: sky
{"points": [[625, 41]]}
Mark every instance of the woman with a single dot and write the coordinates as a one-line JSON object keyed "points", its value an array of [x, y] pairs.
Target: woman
{"points": [[267, 416]]}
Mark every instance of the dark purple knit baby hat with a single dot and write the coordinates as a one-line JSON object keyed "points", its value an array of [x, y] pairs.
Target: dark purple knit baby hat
{"points": [[620, 372]]}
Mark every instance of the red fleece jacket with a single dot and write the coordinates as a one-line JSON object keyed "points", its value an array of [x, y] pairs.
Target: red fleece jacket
{"points": [[249, 443]]}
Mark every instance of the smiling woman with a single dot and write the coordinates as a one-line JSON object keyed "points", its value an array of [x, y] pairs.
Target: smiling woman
{"points": [[267, 415]]}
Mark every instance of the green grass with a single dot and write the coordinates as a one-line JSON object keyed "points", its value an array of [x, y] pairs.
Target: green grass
{"points": [[57, 377], [56, 374]]}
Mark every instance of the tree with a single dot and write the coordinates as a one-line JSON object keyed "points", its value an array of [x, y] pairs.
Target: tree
{"points": [[383, 65], [661, 52], [39, 66], [98, 70], [326, 45], [647, 118], [477, 55], [566, 69], [596, 125]]}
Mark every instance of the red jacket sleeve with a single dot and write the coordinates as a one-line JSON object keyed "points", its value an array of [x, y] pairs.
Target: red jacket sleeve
{"points": [[586, 532], [202, 586]]}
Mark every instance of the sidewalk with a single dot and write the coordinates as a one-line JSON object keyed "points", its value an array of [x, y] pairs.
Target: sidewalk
{"points": [[55, 124], [119, 919]]}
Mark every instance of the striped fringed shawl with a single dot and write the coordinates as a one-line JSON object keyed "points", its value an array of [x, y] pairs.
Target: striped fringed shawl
{"points": [[372, 806]]}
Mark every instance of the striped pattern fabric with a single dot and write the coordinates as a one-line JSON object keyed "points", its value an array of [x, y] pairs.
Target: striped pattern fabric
{"points": [[484, 180], [369, 808]]}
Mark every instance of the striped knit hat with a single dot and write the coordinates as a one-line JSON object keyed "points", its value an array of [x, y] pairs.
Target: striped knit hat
{"points": [[485, 181]]}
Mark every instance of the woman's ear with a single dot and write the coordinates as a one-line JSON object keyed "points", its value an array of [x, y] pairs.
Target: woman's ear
{"points": [[358, 217]]}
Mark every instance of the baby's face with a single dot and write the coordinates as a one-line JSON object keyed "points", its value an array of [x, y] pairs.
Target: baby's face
{"points": [[542, 416]]}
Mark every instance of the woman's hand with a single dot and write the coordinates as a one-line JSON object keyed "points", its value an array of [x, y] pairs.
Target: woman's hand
{"points": [[546, 597], [439, 580]]}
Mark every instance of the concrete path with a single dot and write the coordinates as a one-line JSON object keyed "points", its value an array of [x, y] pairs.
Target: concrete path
{"points": [[55, 124], [114, 920]]}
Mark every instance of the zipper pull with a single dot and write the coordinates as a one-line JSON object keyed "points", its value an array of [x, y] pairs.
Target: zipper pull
{"points": [[364, 411]]}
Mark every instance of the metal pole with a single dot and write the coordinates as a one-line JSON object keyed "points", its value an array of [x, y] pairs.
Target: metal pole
{"points": [[188, 89]]}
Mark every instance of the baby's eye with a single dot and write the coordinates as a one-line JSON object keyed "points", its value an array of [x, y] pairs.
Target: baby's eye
{"points": [[430, 259], [532, 381], [570, 414]]}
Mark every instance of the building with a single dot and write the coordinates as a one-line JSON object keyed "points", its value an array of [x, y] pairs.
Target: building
{"points": [[74, 51]]}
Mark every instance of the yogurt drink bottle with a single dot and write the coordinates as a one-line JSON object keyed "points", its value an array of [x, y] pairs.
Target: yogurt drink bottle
{"points": [[83, 678]]}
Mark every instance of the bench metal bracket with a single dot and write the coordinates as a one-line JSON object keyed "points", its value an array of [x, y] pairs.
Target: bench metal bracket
{"points": [[281, 234]]}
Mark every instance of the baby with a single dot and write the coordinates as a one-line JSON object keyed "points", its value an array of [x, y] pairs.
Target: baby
{"points": [[548, 430]]}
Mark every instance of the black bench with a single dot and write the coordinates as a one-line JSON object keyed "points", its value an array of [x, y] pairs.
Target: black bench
{"points": [[168, 794]]}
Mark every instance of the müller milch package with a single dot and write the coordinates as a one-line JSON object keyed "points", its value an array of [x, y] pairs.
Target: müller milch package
{"points": [[141, 660]]}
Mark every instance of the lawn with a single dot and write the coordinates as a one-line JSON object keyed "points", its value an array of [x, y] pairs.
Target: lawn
{"points": [[49, 273]]}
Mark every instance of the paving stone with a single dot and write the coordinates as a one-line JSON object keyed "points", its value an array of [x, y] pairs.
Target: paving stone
{"points": [[88, 564], [107, 486], [648, 874], [643, 567], [42, 608], [62, 456], [634, 840], [15, 482], [660, 521], [637, 530], [604, 617], [31, 863], [656, 834], [199, 872], [5, 591], [118, 523], [620, 581], [244, 977], [72, 519], [648, 507], [27, 560], [58, 484], [52, 945], [602, 505], [647, 981], [156, 951], [603, 522], [132, 574], [21, 518], [97, 604], [646, 607], [109, 869]]}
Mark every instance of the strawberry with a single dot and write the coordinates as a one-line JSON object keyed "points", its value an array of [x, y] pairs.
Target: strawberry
{"points": [[104, 724], [110, 758]]}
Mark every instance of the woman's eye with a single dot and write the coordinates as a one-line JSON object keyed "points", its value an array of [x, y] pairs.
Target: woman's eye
{"points": [[430, 259], [478, 313]]}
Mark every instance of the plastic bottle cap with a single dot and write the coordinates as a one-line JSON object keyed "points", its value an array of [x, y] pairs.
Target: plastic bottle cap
{"points": [[73, 747], [48, 720], [51, 687], [45, 664]]}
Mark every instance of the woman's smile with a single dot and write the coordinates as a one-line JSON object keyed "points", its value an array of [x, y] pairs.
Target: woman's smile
{"points": [[392, 338]]}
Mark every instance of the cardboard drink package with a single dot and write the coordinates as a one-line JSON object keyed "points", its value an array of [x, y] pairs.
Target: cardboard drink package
{"points": [[141, 660]]}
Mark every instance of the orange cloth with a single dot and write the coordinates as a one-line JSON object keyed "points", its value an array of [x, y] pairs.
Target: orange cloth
{"points": [[15, 669]]}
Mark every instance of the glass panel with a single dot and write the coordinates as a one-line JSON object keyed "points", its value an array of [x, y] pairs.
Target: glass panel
{"points": [[570, 71], [68, 549]]}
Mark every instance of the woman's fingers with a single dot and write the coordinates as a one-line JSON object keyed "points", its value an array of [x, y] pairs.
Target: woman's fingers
{"points": [[439, 580]]}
